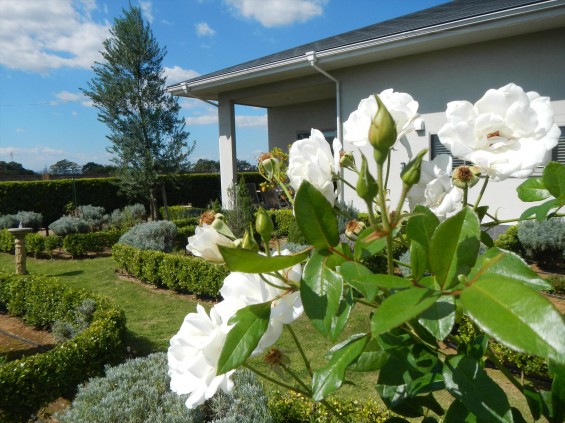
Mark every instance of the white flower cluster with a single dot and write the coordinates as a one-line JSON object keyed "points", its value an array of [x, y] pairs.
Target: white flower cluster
{"points": [[194, 351]]}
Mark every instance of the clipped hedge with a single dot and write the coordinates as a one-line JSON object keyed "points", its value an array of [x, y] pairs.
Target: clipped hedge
{"points": [[78, 245], [185, 274], [29, 383], [282, 221]]}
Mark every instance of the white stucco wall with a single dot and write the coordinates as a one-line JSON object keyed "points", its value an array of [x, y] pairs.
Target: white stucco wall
{"points": [[535, 61]]}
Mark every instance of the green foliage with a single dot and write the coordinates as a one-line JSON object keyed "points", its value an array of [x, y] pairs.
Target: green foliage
{"points": [[186, 221], [557, 283], [138, 391], [33, 381], [67, 225], [290, 407], [282, 220], [128, 216], [63, 330], [241, 210], [543, 242], [35, 244], [184, 274], [78, 245], [157, 236], [182, 212], [6, 241], [509, 241], [182, 235], [51, 243], [295, 234]]}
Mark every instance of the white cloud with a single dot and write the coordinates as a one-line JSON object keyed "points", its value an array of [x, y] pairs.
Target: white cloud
{"points": [[68, 97], [204, 30], [178, 74], [251, 121], [202, 120], [147, 10], [271, 13], [39, 35]]}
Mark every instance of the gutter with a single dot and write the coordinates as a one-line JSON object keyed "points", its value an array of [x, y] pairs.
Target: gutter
{"points": [[313, 59]]}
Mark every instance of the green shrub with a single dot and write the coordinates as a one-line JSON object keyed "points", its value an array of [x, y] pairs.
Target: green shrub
{"points": [[138, 391], [290, 407], [282, 220], [95, 242], [241, 209], [509, 241], [184, 274], [35, 244], [63, 331], [51, 243], [295, 234], [67, 225], [157, 236], [557, 284], [187, 221], [182, 212], [543, 242], [6, 241], [29, 383], [128, 216], [182, 236]]}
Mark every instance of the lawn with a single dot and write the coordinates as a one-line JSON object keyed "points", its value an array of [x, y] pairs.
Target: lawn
{"points": [[154, 316]]}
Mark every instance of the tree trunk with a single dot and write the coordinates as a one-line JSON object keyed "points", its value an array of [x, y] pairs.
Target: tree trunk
{"points": [[165, 205], [152, 206]]}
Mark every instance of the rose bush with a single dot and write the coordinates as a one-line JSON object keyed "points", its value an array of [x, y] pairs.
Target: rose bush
{"points": [[449, 275]]}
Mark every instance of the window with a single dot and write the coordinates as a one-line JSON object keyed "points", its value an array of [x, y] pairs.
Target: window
{"points": [[558, 153], [329, 134]]}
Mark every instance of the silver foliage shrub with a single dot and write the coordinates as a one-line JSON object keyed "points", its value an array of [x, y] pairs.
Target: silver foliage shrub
{"points": [[138, 392], [94, 215], [69, 225], [543, 241], [128, 216], [157, 236]]}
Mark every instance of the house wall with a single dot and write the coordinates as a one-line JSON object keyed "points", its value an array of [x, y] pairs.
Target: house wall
{"points": [[535, 61]]}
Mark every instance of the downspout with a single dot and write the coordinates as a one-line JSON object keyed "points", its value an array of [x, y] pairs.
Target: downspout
{"points": [[187, 90], [312, 58]]}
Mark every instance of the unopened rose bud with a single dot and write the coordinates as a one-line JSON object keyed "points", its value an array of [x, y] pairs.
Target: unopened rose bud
{"points": [[263, 223], [347, 160], [465, 176], [248, 242], [382, 132], [367, 187], [269, 165], [353, 229], [410, 175]]}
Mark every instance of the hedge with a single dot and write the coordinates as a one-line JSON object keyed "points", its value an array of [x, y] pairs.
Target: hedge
{"points": [[185, 274], [50, 197], [33, 381]]}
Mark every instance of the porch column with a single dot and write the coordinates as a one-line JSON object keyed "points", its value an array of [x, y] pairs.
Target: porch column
{"points": [[228, 170]]}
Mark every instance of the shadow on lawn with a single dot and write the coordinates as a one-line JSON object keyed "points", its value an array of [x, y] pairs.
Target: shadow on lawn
{"points": [[71, 273], [140, 346]]}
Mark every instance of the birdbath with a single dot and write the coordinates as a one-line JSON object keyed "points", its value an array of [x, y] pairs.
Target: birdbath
{"points": [[20, 234]]}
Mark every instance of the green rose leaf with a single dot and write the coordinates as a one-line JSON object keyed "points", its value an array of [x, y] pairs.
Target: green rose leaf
{"points": [[321, 292], [420, 229], [367, 244], [454, 247], [340, 319], [554, 179], [508, 264], [470, 384], [315, 217], [251, 323], [516, 316], [330, 377], [353, 273], [532, 189], [439, 318], [557, 392], [372, 358], [384, 281], [247, 261], [540, 211], [458, 413], [401, 307]]}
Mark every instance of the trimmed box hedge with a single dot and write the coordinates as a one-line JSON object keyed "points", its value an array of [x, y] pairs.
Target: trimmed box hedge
{"points": [[185, 274], [33, 381]]}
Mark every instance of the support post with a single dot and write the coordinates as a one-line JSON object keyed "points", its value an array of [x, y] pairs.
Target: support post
{"points": [[227, 147]]}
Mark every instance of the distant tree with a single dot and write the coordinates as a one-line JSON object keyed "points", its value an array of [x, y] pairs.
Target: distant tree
{"points": [[64, 167], [206, 166], [245, 166], [129, 91], [92, 168], [14, 168]]}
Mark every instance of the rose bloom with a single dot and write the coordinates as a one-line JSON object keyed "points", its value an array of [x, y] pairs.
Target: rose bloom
{"points": [[311, 159], [507, 133], [435, 189], [204, 243], [401, 106], [193, 356], [243, 289]]}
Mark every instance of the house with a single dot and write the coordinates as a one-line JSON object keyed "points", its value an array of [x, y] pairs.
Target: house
{"points": [[454, 51]]}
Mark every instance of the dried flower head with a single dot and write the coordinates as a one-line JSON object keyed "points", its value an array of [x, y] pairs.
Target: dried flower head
{"points": [[207, 217], [465, 176]]}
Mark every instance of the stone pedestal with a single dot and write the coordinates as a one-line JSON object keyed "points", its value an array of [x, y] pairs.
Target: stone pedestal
{"points": [[19, 234]]}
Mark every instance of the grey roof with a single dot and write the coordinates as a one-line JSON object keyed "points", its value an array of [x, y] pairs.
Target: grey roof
{"points": [[445, 13]]}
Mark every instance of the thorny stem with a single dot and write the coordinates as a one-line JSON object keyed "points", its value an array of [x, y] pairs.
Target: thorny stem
{"points": [[296, 378], [387, 171], [275, 381], [498, 222], [350, 185], [465, 195], [302, 353], [385, 218], [483, 188], [405, 189]]}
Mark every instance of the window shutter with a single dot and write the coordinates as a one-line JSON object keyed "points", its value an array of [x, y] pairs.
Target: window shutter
{"points": [[438, 148], [558, 153]]}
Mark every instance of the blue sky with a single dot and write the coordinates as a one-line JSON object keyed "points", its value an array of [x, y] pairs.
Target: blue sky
{"points": [[47, 48]]}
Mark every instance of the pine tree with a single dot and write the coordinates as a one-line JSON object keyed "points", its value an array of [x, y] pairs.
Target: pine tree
{"points": [[147, 135]]}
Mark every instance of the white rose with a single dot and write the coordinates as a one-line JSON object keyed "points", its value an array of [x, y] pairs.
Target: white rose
{"points": [[193, 356], [240, 290], [204, 243], [507, 133], [311, 159], [401, 106], [435, 189]]}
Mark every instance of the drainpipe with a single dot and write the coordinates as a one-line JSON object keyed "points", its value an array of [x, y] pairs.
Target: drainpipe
{"points": [[186, 90], [313, 59]]}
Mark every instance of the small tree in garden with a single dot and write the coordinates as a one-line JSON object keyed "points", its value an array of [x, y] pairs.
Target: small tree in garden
{"points": [[409, 318], [147, 135]]}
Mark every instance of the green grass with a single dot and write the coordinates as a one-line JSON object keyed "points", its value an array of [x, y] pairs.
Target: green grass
{"points": [[154, 316]]}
